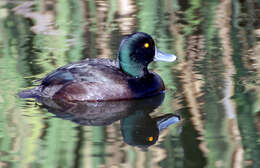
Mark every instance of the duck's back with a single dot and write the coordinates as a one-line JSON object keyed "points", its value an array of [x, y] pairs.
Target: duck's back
{"points": [[87, 80]]}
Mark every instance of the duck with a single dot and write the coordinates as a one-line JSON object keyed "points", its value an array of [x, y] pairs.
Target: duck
{"points": [[101, 79]]}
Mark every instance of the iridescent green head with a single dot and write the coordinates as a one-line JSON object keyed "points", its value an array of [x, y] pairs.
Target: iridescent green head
{"points": [[137, 51]]}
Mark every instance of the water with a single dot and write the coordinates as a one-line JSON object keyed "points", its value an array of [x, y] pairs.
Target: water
{"points": [[213, 87]]}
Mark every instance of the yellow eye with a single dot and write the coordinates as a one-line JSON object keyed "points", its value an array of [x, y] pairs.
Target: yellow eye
{"points": [[146, 45], [150, 138]]}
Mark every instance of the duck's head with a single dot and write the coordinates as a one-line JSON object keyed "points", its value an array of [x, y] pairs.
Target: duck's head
{"points": [[137, 51]]}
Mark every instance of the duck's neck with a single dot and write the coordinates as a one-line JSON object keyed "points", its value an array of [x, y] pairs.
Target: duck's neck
{"points": [[134, 69]]}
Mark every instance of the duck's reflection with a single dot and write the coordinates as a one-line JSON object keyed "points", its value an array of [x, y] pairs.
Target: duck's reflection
{"points": [[140, 129], [137, 126]]}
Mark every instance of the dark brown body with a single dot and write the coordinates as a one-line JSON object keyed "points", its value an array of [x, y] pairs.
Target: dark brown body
{"points": [[95, 80]]}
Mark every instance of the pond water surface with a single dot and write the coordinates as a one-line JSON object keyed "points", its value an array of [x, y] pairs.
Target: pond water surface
{"points": [[212, 100]]}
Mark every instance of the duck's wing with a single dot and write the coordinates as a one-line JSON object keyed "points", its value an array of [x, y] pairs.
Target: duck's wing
{"points": [[87, 70], [87, 80]]}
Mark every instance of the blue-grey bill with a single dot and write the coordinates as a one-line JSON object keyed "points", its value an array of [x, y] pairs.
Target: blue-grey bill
{"points": [[166, 121], [161, 56]]}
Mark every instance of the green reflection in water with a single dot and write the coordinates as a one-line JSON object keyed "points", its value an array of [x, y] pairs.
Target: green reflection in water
{"points": [[245, 99]]}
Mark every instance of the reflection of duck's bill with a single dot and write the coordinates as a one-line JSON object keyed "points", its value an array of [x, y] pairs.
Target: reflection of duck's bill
{"points": [[167, 120], [161, 56]]}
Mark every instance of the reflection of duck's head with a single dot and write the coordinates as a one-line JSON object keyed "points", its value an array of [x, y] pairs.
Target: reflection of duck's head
{"points": [[139, 129]]}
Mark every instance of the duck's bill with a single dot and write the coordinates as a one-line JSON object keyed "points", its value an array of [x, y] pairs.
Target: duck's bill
{"points": [[161, 56]]}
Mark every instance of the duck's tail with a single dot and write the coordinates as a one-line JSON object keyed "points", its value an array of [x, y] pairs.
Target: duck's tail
{"points": [[30, 93]]}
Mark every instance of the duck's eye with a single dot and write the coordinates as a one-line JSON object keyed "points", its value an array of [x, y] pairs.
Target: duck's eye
{"points": [[146, 45], [150, 138]]}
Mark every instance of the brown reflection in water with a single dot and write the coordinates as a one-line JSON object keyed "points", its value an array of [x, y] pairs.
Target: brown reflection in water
{"points": [[192, 81], [103, 29], [141, 161], [223, 19], [127, 16], [3, 164], [251, 58], [86, 152], [257, 50], [44, 18], [159, 154], [251, 55], [114, 150], [255, 63], [175, 30]]}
